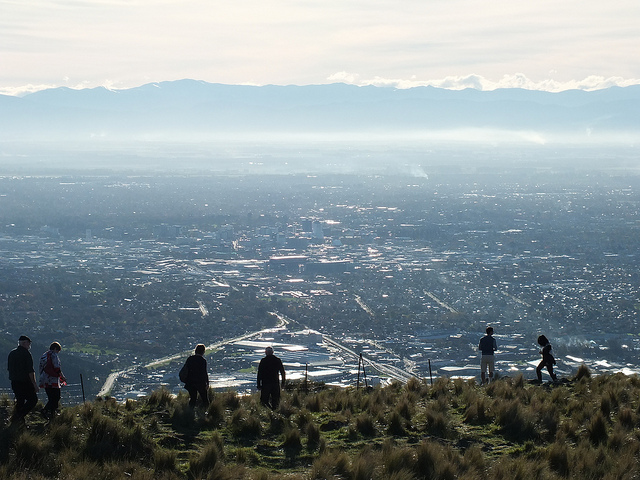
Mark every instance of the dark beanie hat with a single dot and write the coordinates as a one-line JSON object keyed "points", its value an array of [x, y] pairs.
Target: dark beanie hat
{"points": [[24, 338]]}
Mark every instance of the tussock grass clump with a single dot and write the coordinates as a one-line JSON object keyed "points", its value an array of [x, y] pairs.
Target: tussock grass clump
{"points": [[331, 465], [583, 372], [627, 418], [243, 424], [164, 460], [559, 459], [312, 433], [437, 424], [395, 425], [292, 443], [215, 412], [230, 399], [159, 398], [32, 451], [597, 429], [313, 403], [208, 459], [366, 425], [515, 420]]}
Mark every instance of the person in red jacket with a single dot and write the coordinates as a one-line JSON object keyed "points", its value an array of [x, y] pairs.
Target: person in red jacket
{"points": [[268, 369], [51, 379]]}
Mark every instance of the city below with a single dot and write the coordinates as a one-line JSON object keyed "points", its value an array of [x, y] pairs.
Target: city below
{"points": [[353, 279]]}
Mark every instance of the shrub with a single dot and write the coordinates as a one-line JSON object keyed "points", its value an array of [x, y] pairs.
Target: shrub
{"points": [[164, 460], [244, 424], [474, 461], [476, 411], [230, 399], [626, 418], [313, 403], [292, 443], [514, 420], [404, 408], [395, 426], [363, 467], [437, 423], [597, 429], [330, 465], [558, 457], [32, 451], [313, 436], [205, 461], [365, 425], [160, 398], [215, 412], [583, 372]]}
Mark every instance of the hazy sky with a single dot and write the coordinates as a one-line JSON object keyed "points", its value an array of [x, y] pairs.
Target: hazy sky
{"points": [[541, 44]]}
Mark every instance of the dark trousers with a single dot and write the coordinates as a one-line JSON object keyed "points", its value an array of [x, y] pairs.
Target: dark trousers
{"points": [[26, 398], [53, 396], [270, 395], [549, 366], [194, 390]]}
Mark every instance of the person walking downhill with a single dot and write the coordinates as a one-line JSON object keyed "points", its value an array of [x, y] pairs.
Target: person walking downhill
{"points": [[268, 369], [547, 359], [487, 346], [51, 379], [23, 379], [195, 377]]}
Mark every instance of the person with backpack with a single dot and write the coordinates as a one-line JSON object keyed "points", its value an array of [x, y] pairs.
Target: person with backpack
{"points": [[51, 379], [195, 377], [547, 359]]}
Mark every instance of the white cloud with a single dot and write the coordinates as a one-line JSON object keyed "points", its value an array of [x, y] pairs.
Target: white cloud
{"points": [[478, 82], [304, 42]]}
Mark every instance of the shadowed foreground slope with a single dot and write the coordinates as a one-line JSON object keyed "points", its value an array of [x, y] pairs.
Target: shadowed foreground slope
{"points": [[583, 428]]}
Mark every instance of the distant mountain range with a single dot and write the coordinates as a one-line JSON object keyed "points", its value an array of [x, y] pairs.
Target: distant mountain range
{"points": [[189, 109]]}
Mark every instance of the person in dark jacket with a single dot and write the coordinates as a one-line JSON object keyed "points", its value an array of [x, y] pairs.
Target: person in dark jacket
{"points": [[487, 346], [197, 377], [268, 369], [23, 378], [547, 359]]}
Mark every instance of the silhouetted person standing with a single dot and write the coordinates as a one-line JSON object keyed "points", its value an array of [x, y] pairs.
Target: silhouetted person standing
{"points": [[23, 378], [51, 378], [547, 359], [197, 377], [487, 346], [268, 370]]}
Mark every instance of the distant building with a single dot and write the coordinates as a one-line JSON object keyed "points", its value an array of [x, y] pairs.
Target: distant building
{"points": [[328, 267], [316, 231], [287, 264], [164, 231], [307, 225], [50, 231]]}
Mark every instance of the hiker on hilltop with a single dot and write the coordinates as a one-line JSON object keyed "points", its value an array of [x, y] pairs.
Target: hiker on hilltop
{"points": [[268, 369], [195, 377], [23, 379], [547, 359], [51, 379], [487, 346]]}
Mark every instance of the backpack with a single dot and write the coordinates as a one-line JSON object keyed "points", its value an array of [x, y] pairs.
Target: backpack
{"points": [[49, 368], [184, 373]]}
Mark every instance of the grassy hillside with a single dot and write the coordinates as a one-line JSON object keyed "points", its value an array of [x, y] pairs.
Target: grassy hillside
{"points": [[586, 427]]}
